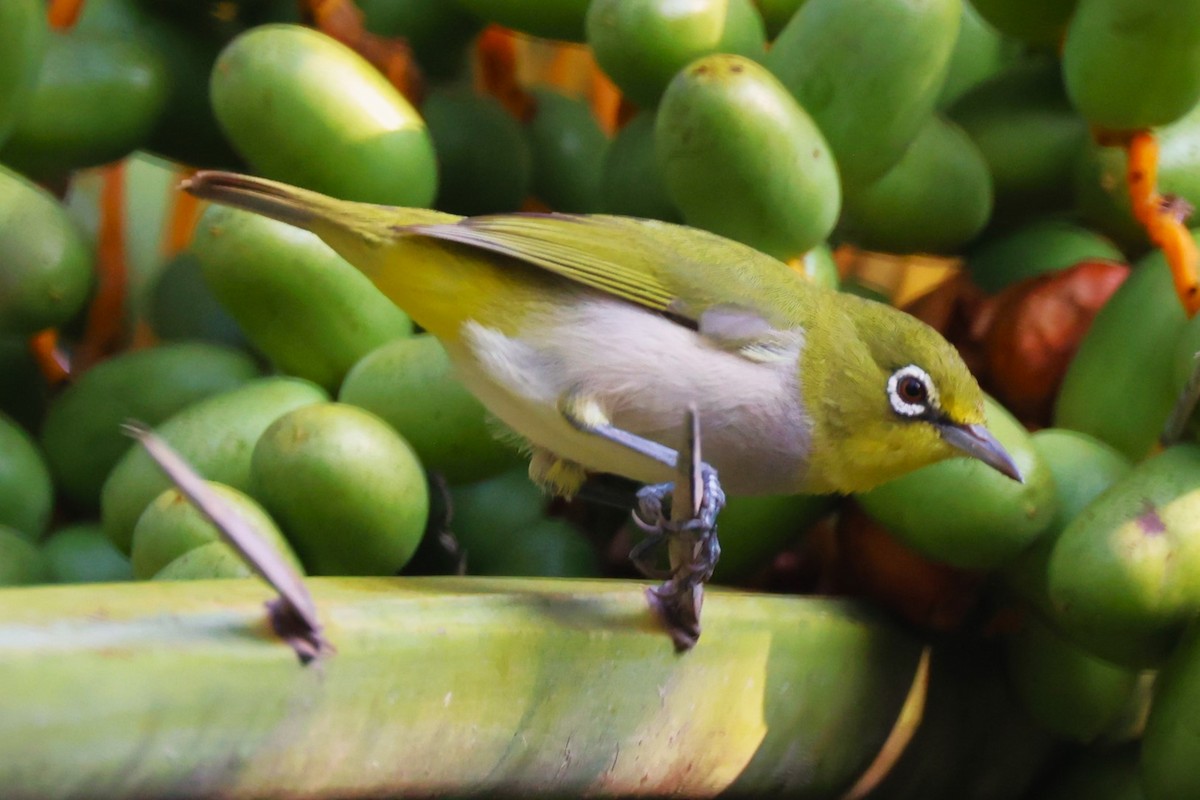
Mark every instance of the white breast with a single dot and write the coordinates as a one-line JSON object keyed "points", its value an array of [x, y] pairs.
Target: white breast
{"points": [[643, 370]]}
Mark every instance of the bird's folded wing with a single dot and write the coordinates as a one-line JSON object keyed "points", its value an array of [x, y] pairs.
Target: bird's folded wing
{"points": [[664, 267]]}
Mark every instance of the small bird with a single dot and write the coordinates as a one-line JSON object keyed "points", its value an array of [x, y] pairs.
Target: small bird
{"points": [[590, 335]]}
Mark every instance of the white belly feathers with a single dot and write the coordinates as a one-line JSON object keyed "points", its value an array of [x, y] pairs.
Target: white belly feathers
{"points": [[643, 370]]}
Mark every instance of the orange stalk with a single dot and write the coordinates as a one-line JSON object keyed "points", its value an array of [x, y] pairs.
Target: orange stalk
{"points": [[343, 21], [103, 332], [1162, 217], [1142, 176], [143, 336], [532, 204], [607, 102], [63, 14], [181, 222], [561, 68], [52, 362], [497, 54], [1179, 247]]}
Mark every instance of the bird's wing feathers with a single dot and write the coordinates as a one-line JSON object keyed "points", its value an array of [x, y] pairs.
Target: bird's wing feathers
{"points": [[654, 264], [553, 243]]}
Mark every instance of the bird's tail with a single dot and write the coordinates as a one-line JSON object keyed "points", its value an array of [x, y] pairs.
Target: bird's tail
{"points": [[417, 272], [279, 201], [306, 209]]}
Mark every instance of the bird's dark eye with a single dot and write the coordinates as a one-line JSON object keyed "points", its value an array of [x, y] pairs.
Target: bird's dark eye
{"points": [[911, 392]]}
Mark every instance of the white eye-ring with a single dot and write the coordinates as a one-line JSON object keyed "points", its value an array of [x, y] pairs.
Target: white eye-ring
{"points": [[911, 391]]}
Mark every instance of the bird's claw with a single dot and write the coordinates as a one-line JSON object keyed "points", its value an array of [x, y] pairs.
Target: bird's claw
{"points": [[653, 517], [677, 601], [689, 529], [693, 547], [653, 511], [713, 499]]}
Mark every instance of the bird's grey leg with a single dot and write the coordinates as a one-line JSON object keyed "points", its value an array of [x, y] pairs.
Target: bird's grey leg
{"points": [[690, 531], [653, 500]]}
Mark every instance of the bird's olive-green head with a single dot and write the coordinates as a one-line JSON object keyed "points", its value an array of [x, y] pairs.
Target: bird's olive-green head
{"points": [[893, 396]]}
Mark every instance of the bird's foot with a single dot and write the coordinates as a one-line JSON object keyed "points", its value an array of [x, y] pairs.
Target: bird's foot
{"points": [[694, 550], [690, 532], [654, 516], [689, 529], [654, 509]]}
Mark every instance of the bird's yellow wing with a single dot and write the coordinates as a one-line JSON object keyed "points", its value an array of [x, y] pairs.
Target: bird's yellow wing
{"points": [[680, 271], [674, 269]]}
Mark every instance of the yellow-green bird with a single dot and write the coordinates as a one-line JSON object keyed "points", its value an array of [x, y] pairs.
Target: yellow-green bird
{"points": [[560, 322]]}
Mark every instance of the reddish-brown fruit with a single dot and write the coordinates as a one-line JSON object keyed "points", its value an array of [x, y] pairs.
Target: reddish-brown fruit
{"points": [[1034, 329], [875, 565], [957, 310]]}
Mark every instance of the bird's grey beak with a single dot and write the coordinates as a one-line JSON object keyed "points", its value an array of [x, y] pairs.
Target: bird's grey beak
{"points": [[977, 442]]}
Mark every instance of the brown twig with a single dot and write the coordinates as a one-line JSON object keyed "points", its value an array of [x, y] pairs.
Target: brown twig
{"points": [[293, 614]]}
